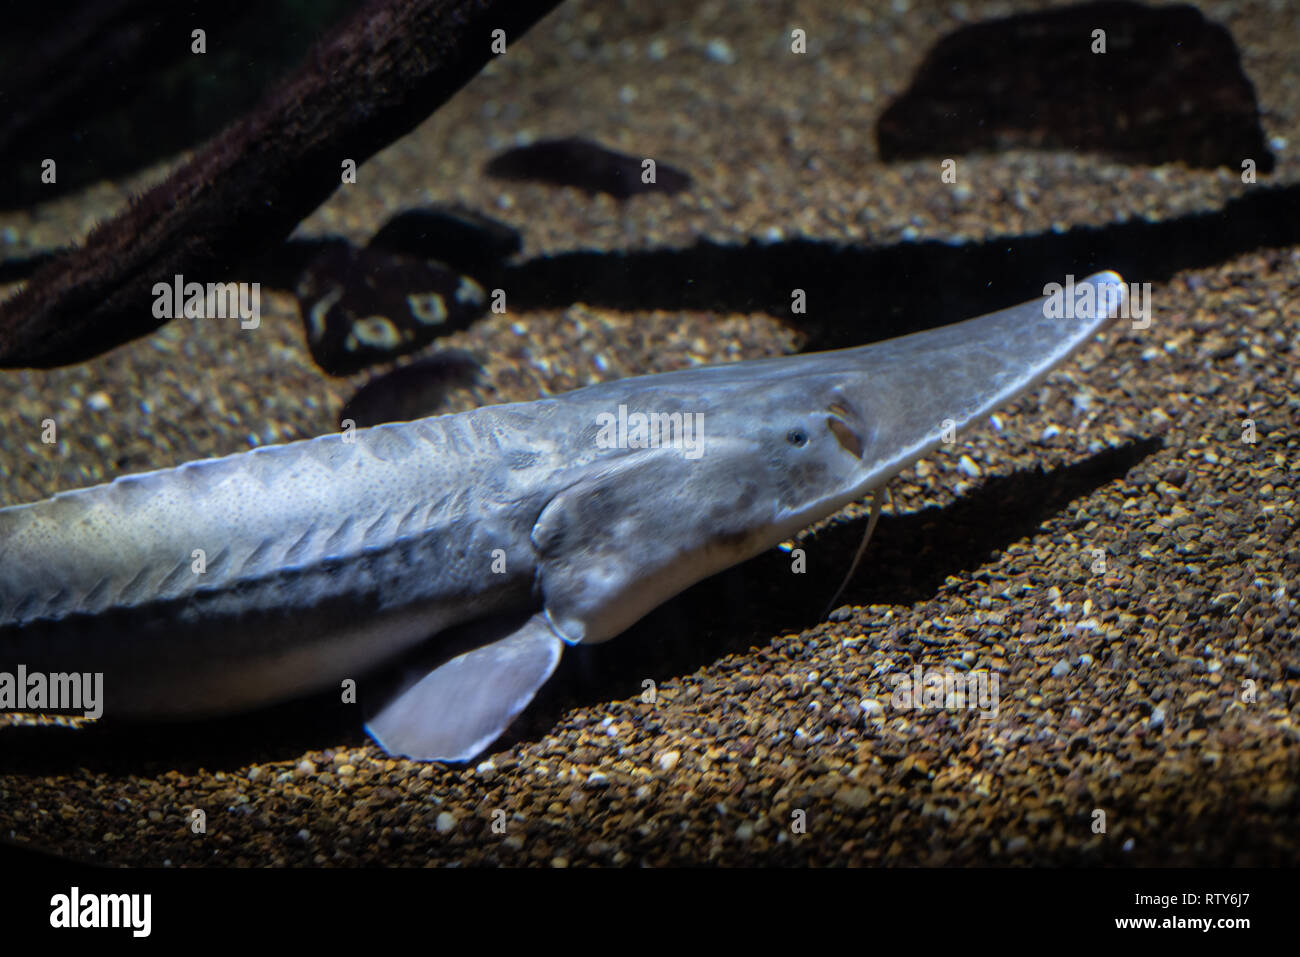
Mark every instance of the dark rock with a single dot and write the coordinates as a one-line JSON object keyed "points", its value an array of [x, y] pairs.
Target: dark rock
{"points": [[449, 233], [364, 306], [1169, 87], [586, 165], [411, 391]]}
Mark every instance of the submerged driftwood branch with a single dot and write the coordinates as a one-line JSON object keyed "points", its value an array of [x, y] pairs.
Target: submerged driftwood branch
{"points": [[373, 79]]}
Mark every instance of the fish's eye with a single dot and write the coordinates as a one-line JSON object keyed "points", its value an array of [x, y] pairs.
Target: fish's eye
{"points": [[797, 437]]}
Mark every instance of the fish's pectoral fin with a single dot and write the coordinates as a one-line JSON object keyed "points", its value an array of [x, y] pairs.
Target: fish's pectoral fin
{"points": [[457, 709]]}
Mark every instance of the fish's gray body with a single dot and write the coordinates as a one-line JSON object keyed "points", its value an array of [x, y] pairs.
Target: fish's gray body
{"points": [[226, 584], [321, 557]]}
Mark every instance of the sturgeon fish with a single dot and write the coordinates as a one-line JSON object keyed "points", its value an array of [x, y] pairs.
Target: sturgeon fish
{"points": [[226, 584]]}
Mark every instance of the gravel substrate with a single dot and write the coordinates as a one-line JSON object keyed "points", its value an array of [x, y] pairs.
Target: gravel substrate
{"points": [[1159, 686]]}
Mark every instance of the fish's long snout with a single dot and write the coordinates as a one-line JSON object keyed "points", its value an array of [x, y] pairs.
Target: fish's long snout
{"points": [[922, 389]]}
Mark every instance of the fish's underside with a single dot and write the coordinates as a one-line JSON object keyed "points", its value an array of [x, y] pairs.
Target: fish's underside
{"points": [[227, 584]]}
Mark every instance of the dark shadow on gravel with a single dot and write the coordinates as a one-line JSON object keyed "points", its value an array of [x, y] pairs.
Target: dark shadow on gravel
{"points": [[856, 294], [859, 294], [270, 734]]}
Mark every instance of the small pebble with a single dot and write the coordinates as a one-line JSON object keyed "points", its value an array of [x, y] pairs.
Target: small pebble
{"points": [[719, 51]]}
